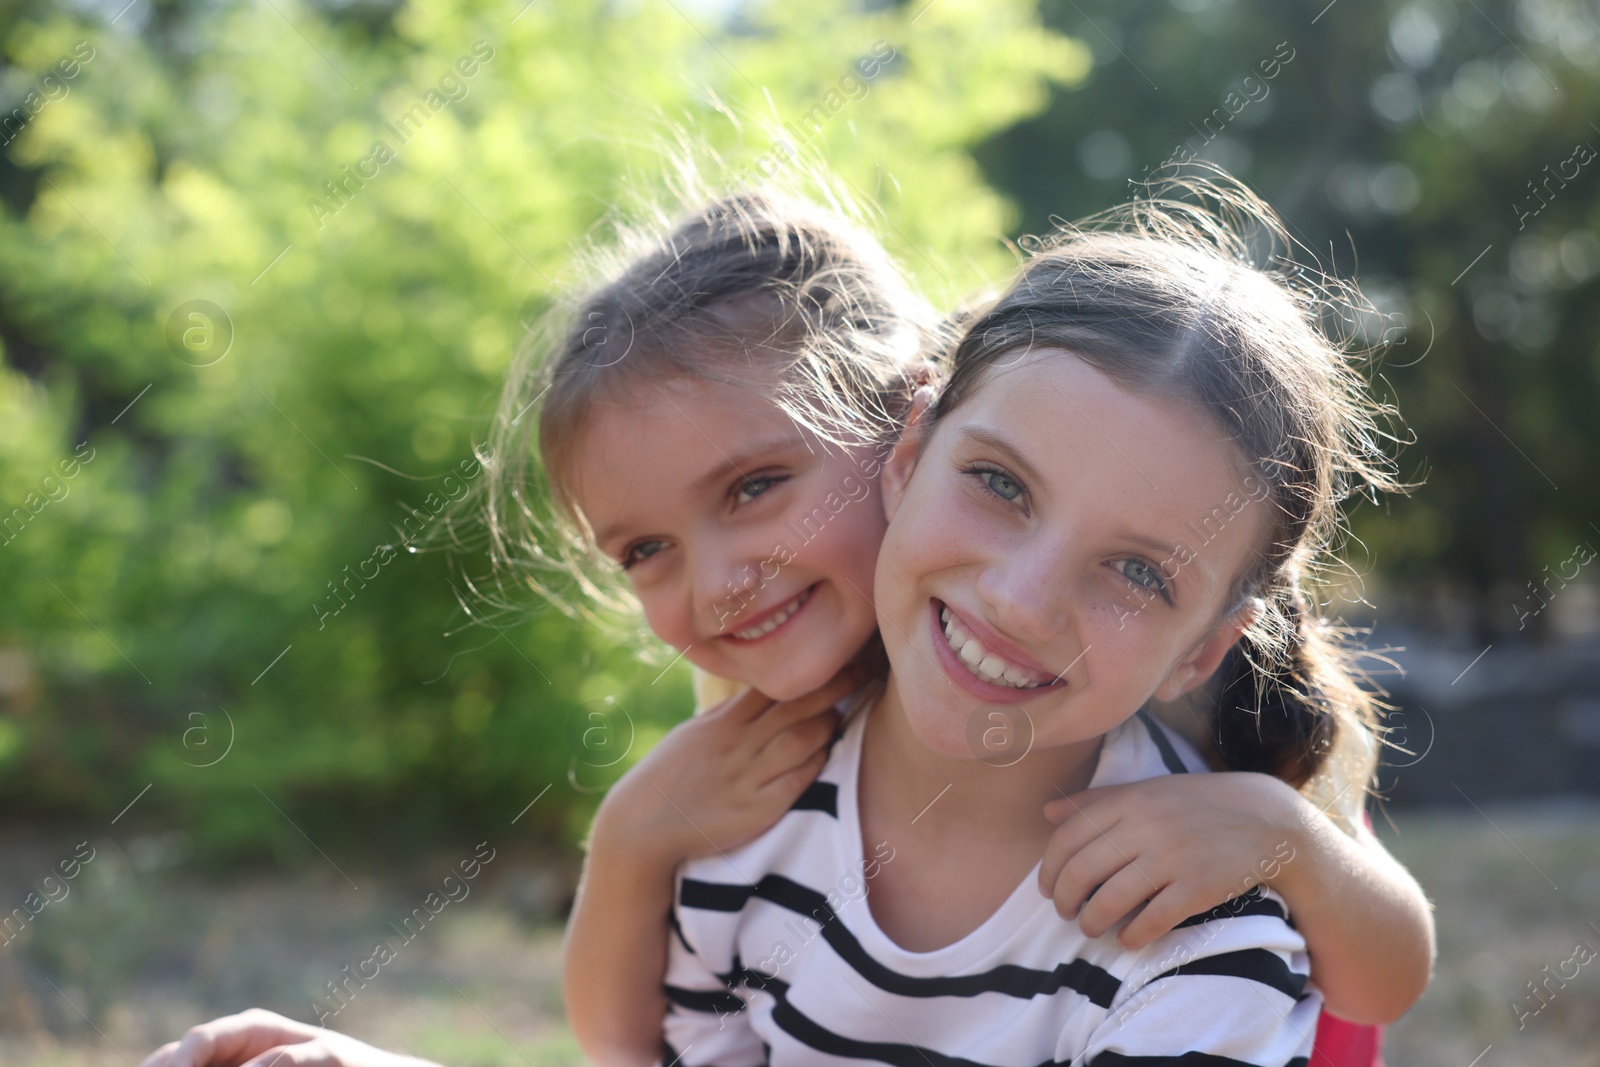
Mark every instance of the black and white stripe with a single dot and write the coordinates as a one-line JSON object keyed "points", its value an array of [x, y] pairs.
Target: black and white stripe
{"points": [[775, 959]]}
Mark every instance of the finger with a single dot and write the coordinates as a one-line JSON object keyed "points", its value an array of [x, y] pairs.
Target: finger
{"points": [[195, 1047], [310, 1054], [779, 717], [794, 746], [1084, 800], [1161, 916], [161, 1057], [786, 788], [1119, 895], [1070, 838], [234, 1037], [1092, 866]]}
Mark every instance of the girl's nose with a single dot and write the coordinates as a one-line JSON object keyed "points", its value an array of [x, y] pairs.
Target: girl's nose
{"points": [[1028, 593], [727, 578]]}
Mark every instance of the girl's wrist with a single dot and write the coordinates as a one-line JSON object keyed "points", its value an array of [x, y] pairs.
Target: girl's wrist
{"points": [[1296, 871], [1293, 822]]}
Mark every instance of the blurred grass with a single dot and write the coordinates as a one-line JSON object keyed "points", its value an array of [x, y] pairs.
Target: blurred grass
{"points": [[146, 949], [1512, 896]]}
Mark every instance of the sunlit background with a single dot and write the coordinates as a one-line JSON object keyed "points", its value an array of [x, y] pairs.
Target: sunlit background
{"points": [[247, 352]]}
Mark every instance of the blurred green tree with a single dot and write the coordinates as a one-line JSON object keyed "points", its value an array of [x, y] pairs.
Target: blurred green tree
{"points": [[261, 267]]}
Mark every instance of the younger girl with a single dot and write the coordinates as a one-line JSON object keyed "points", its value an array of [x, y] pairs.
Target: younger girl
{"points": [[716, 421]]}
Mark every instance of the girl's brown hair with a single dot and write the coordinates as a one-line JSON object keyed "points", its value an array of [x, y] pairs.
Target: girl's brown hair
{"points": [[759, 287], [1161, 295]]}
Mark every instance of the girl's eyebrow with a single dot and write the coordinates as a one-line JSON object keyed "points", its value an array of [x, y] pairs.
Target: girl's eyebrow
{"points": [[994, 440], [1154, 544], [1168, 551], [745, 457]]}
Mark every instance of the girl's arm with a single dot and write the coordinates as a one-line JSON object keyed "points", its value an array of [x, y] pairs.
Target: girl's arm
{"points": [[1367, 924], [1188, 842], [712, 784]]}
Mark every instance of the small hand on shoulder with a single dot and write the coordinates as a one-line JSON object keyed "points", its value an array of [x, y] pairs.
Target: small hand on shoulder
{"points": [[718, 780], [1168, 848]]}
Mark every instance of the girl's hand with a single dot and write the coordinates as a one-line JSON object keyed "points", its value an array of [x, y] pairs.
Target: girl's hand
{"points": [[258, 1038], [720, 779], [1173, 846]]}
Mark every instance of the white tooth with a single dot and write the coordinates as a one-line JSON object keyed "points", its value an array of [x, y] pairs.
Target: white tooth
{"points": [[944, 614], [971, 653], [1014, 676], [992, 667], [761, 630]]}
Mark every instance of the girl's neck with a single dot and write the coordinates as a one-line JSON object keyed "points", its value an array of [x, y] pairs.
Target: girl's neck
{"points": [[973, 796]]}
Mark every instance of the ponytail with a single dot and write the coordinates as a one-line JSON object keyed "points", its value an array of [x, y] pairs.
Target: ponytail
{"points": [[1271, 717], [1298, 711]]}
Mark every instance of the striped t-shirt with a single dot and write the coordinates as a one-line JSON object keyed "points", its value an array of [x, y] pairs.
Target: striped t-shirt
{"points": [[776, 959]]}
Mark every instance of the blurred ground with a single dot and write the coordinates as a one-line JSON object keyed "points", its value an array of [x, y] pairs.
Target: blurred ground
{"points": [[146, 950]]}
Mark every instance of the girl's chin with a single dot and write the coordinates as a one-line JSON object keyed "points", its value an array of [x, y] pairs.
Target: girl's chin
{"points": [[943, 729], [784, 677], [793, 679], [947, 747]]}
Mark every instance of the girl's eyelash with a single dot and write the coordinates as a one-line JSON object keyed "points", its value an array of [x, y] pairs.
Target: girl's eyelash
{"points": [[766, 481], [628, 561], [762, 482], [980, 470], [1164, 591]]}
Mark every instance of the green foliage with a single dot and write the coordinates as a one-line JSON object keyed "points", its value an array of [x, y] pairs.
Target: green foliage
{"points": [[171, 619]]}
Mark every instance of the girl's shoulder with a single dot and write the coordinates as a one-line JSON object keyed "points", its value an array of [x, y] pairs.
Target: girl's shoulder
{"points": [[1142, 747]]}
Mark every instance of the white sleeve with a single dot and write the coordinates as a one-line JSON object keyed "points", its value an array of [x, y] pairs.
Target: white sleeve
{"points": [[707, 1023], [1229, 990]]}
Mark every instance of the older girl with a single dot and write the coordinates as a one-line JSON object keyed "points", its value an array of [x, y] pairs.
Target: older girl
{"points": [[1135, 463]]}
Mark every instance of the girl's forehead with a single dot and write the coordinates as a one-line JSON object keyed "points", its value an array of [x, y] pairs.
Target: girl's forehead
{"points": [[673, 431], [1062, 402], [706, 407]]}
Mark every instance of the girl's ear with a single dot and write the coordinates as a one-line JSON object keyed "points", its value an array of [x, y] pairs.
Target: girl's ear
{"points": [[907, 449], [1202, 662]]}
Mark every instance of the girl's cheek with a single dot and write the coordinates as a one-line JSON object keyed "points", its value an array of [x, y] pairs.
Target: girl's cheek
{"points": [[853, 537], [1116, 623], [667, 620]]}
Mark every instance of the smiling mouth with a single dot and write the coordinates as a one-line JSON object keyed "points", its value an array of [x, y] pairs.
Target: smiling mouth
{"points": [[985, 665], [776, 619]]}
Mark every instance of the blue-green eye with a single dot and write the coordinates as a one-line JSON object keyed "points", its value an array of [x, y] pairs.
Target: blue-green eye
{"points": [[1144, 576], [751, 488], [640, 552], [1000, 484]]}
